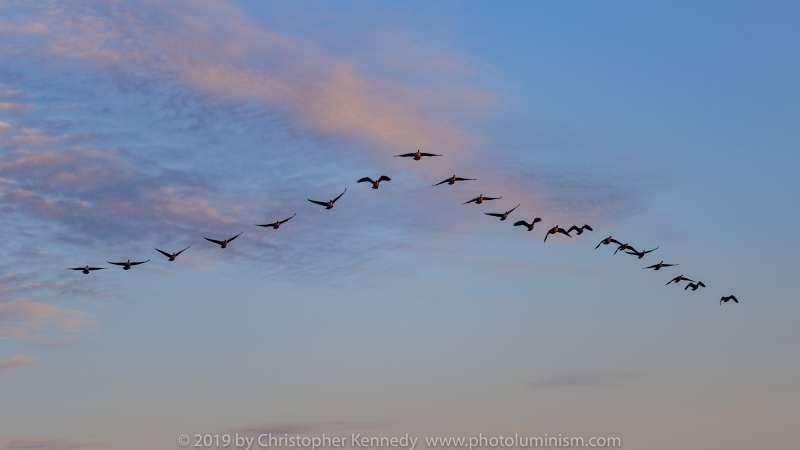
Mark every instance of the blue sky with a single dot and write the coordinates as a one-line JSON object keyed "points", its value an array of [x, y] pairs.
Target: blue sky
{"points": [[126, 126]]}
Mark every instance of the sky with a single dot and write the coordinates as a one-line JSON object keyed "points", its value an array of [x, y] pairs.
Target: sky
{"points": [[127, 126]]}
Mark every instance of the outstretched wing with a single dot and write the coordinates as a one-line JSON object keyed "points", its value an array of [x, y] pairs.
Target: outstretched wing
{"points": [[573, 228], [587, 227], [406, 155], [384, 178], [616, 241], [286, 220], [231, 239], [733, 298], [473, 200], [667, 265], [648, 251], [137, 263], [464, 179], [443, 182], [700, 283], [167, 254], [319, 203], [366, 179], [603, 242], [512, 209], [651, 267], [521, 222], [494, 214], [176, 254], [428, 154], [74, 268], [213, 240], [340, 196], [96, 268], [563, 231], [492, 198], [117, 264], [268, 224]]}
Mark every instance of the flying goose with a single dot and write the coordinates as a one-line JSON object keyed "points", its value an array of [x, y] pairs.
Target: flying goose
{"points": [[555, 230], [86, 269], [479, 199], [224, 243], [417, 156], [526, 224], [375, 183], [694, 286], [329, 204], [127, 265], [504, 215], [721, 301], [624, 246], [678, 279], [659, 266], [579, 229], [640, 254], [452, 180], [607, 241], [277, 224], [171, 256]]}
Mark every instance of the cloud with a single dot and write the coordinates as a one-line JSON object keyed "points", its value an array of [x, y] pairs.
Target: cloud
{"points": [[7, 443], [14, 108], [611, 378], [26, 319], [4, 128], [15, 362], [309, 427]]}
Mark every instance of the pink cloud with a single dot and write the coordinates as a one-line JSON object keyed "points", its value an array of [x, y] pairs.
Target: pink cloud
{"points": [[15, 362], [7, 443], [16, 107], [26, 319]]}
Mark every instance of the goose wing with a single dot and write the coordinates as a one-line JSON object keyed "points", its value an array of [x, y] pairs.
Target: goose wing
{"points": [[406, 155], [340, 196], [428, 154], [573, 228], [231, 239], [494, 214], [96, 268], [603, 241], [366, 179], [75, 268], [213, 240], [443, 182], [473, 200], [384, 178], [492, 198], [465, 179], [521, 222], [616, 241], [267, 224], [139, 262], [512, 209], [318, 202], [117, 264], [587, 227], [563, 231], [176, 254], [286, 220], [165, 253]]}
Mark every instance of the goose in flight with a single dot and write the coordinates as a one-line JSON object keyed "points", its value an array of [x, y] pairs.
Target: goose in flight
{"points": [[623, 247], [555, 230], [127, 265], [579, 230], [224, 243], [452, 180], [640, 254], [86, 269], [277, 224], [694, 286], [529, 226], [721, 301], [659, 266], [375, 183], [417, 156], [678, 279], [504, 215], [173, 255], [479, 199], [329, 204], [607, 241]]}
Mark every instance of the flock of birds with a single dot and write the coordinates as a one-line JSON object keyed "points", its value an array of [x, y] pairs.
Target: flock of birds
{"points": [[626, 248]]}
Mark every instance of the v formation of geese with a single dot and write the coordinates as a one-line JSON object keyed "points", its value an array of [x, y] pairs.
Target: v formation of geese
{"points": [[417, 156]]}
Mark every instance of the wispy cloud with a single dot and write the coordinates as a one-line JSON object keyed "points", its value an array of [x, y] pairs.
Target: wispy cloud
{"points": [[15, 362], [27, 319], [611, 378], [15, 108], [9, 443]]}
